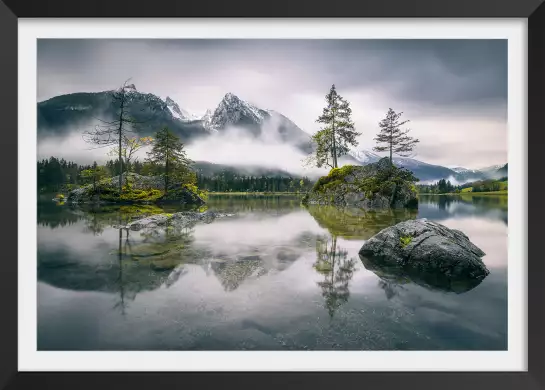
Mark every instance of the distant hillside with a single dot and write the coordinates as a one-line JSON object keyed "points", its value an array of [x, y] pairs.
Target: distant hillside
{"points": [[486, 186], [499, 186], [80, 112], [502, 172], [209, 169], [432, 173]]}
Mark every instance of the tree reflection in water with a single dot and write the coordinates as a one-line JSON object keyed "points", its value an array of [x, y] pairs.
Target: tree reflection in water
{"points": [[155, 259], [390, 289], [337, 269], [121, 303]]}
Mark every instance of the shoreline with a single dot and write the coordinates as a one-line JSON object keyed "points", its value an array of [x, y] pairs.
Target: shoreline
{"points": [[256, 193], [496, 193]]}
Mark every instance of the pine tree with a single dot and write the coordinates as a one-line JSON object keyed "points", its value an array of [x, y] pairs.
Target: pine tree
{"points": [[168, 152], [337, 134], [392, 138]]}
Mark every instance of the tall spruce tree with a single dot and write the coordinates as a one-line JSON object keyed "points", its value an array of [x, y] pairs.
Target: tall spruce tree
{"points": [[337, 134], [391, 138], [168, 152]]}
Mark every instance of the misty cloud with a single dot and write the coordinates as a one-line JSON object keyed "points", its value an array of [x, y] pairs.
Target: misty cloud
{"points": [[231, 146], [72, 147], [234, 146]]}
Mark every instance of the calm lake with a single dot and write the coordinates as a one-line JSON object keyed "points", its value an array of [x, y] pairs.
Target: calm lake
{"points": [[250, 280]]}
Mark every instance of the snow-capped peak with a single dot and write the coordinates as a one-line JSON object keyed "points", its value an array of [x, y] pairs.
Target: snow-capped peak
{"points": [[178, 112], [492, 168], [232, 109], [207, 119], [462, 170], [365, 156], [231, 97], [207, 115], [174, 108]]}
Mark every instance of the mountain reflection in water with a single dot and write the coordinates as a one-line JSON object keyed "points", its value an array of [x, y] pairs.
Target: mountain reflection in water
{"points": [[273, 276]]}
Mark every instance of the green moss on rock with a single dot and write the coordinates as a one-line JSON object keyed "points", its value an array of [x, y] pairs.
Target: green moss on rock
{"points": [[405, 240], [334, 178], [374, 186], [137, 189]]}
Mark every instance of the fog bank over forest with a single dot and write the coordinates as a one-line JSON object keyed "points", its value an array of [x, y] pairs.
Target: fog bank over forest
{"points": [[232, 146]]}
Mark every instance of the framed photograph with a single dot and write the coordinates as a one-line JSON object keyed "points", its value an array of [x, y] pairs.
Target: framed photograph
{"points": [[280, 193]]}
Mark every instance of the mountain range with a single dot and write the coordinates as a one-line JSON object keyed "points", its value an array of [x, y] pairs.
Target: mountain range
{"points": [[82, 111], [430, 173]]}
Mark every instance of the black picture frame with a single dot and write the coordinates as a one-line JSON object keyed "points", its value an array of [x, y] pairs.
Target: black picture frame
{"points": [[532, 10]]}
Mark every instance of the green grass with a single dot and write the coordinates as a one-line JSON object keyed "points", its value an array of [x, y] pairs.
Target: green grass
{"points": [[501, 192], [503, 186]]}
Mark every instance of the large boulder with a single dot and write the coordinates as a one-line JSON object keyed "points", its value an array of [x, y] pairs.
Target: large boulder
{"points": [[374, 186], [428, 252]]}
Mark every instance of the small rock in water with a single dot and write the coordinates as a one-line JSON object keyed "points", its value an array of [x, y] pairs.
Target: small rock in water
{"points": [[152, 221], [181, 218]]}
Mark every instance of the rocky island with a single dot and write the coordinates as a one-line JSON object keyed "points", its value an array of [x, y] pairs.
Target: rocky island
{"points": [[137, 189], [374, 186]]}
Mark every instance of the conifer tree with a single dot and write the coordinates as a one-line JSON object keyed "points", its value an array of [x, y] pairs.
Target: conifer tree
{"points": [[168, 152], [337, 134], [391, 138]]}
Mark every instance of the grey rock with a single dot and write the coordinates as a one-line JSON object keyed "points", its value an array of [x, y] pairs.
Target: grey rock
{"points": [[435, 255], [348, 191], [181, 219], [149, 222]]}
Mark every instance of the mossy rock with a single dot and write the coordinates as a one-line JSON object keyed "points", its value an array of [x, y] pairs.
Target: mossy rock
{"points": [[374, 186], [137, 189]]}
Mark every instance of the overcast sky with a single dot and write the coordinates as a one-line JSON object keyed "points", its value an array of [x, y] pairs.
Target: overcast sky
{"points": [[453, 91]]}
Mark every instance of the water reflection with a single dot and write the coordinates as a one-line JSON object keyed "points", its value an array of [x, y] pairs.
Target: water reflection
{"points": [[121, 303], [232, 274], [53, 215], [357, 224], [139, 261], [390, 288], [156, 255], [333, 263], [432, 279], [262, 279], [95, 224], [440, 207], [247, 203]]}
